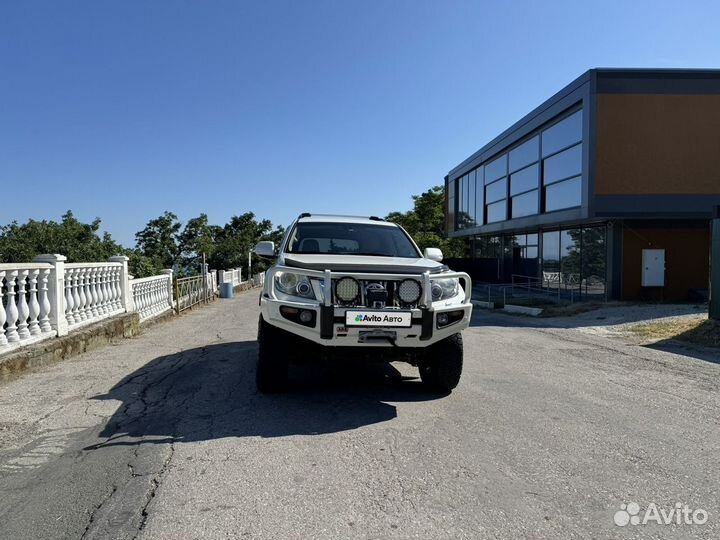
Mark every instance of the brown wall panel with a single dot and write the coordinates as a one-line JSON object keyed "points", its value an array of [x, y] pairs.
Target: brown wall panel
{"points": [[687, 261], [657, 144]]}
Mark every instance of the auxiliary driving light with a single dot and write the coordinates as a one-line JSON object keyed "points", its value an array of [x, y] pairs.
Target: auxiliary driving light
{"points": [[347, 289], [409, 291]]}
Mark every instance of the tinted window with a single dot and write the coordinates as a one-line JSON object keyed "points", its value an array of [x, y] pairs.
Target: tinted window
{"points": [[565, 194], [495, 169], [562, 134], [563, 165], [525, 204], [351, 239], [551, 258], [479, 197], [496, 212], [451, 205], [570, 258], [471, 200], [496, 191], [594, 257], [524, 179], [525, 154]]}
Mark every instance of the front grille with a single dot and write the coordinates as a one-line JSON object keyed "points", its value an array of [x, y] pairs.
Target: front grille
{"points": [[377, 294]]}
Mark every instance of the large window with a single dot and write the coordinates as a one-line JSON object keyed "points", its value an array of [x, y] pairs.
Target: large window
{"points": [[562, 164], [565, 133], [471, 200], [574, 262], [495, 169], [524, 191], [525, 154], [479, 196], [566, 194], [452, 186]]}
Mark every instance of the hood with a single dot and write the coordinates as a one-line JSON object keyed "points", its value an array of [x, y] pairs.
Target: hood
{"points": [[363, 263]]}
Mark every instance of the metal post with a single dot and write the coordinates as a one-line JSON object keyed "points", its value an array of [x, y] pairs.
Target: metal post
{"points": [[177, 297], [204, 280], [714, 308], [249, 264]]}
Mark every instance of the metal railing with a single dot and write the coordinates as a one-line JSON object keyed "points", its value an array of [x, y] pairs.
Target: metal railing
{"points": [[193, 290]]}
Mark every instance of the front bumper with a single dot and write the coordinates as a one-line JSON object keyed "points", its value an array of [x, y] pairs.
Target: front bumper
{"points": [[329, 327]]}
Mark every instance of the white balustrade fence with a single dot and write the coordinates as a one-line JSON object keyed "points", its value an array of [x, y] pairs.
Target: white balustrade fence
{"points": [[152, 295], [92, 292], [24, 304], [49, 297], [233, 276]]}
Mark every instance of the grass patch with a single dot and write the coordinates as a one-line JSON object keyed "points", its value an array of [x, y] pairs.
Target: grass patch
{"points": [[698, 330]]}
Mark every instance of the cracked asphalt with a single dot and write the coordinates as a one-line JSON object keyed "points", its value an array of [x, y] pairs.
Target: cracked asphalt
{"points": [[163, 436]]}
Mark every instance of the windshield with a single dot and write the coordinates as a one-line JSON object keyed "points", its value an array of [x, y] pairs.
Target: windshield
{"points": [[351, 239]]}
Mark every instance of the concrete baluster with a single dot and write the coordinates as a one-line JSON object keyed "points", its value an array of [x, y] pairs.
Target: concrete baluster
{"points": [[44, 320], [11, 311], [33, 325], [84, 291], [70, 305], [3, 339], [23, 308]]}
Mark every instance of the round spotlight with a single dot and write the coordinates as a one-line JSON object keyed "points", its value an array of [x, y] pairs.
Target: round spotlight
{"points": [[347, 289], [443, 319], [409, 291], [436, 291], [305, 316]]}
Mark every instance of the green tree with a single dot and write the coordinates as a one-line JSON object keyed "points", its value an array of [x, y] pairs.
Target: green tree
{"points": [[159, 241], [426, 223], [237, 237], [197, 238], [79, 242]]}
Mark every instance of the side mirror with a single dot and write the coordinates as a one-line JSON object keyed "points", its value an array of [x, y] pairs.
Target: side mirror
{"points": [[265, 249], [434, 254]]}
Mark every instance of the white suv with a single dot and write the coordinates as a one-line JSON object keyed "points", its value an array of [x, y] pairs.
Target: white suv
{"points": [[360, 286]]}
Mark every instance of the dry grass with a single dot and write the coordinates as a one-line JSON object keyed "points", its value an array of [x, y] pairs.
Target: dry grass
{"points": [[697, 329]]}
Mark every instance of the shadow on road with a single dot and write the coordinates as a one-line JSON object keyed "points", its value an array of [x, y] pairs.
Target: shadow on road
{"points": [[209, 393]]}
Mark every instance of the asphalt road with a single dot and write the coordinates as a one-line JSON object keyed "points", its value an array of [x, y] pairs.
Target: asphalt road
{"points": [[550, 431]]}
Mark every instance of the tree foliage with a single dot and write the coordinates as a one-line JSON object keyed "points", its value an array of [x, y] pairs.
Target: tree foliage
{"points": [[78, 241], [426, 223]]}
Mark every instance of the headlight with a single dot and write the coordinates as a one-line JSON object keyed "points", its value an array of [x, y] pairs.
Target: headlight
{"points": [[294, 284], [444, 288]]}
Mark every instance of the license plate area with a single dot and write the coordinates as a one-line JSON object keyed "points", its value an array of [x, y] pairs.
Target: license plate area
{"points": [[370, 318]]}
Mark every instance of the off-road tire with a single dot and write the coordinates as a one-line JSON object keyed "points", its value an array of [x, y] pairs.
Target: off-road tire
{"points": [[441, 368], [272, 366]]}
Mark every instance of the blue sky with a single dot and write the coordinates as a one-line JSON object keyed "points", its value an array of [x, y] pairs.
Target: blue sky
{"points": [[122, 110]]}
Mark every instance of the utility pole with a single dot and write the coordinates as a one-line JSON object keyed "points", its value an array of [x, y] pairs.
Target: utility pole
{"points": [[249, 264], [715, 266]]}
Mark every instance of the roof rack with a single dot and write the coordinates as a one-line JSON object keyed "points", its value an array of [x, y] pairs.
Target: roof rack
{"points": [[304, 214]]}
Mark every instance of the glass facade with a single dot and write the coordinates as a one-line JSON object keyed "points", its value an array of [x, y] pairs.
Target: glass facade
{"points": [[566, 262], [540, 174]]}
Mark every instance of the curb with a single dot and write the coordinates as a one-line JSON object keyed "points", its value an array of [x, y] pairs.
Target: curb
{"points": [[523, 310]]}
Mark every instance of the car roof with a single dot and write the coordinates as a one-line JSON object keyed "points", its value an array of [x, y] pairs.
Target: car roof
{"points": [[330, 218]]}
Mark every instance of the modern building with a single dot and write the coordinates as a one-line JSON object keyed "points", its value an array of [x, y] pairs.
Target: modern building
{"points": [[606, 189]]}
